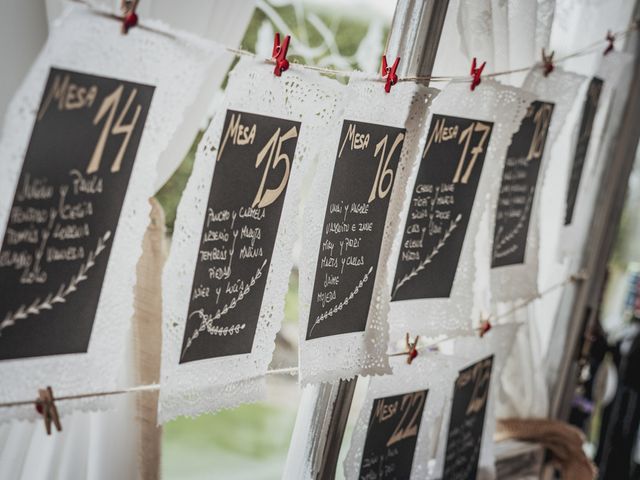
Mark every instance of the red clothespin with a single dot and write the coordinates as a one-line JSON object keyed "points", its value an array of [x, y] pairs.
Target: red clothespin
{"points": [[47, 408], [476, 73], [280, 54], [129, 16], [412, 349], [547, 63], [389, 73], [485, 326], [610, 38]]}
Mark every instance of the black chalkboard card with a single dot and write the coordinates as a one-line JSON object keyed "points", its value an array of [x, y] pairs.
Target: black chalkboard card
{"points": [[353, 228], [65, 211], [464, 437], [239, 233], [392, 435], [518, 187], [440, 207], [584, 135]]}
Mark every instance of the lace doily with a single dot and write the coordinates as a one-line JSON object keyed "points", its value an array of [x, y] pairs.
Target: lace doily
{"points": [[85, 42], [512, 282], [343, 356], [613, 69], [429, 371], [469, 350], [211, 384], [505, 107]]}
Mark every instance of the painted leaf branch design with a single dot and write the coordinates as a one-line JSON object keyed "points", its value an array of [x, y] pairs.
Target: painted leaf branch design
{"points": [[336, 308], [421, 266], [64, 290], [516, 229], [206, 320]]}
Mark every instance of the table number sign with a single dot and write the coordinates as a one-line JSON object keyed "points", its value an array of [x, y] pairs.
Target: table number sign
{"points": [[593, 138], [350, 221], [584, 135], [440, 207], [356, 212], [464, 437], [65, 212], [240, 228], [436, 277], [79, 149], [228, 271], [518, 187], [392, 435], [516, 235], [396, 432]]}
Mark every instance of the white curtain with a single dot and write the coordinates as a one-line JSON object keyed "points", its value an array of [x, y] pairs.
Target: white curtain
{"points": [[98, 445]]}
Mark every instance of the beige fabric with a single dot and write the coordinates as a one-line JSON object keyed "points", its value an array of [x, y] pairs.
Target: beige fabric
{"points": [[147, 332], [564, 441]]}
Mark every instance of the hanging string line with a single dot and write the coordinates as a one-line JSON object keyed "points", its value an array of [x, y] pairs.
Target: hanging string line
{"points": [[579, 276], [587, 50], [576, 277], [152, 387]]}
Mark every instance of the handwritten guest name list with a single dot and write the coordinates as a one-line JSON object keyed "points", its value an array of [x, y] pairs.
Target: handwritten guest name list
{"points": [[518, 188], [239, 233], [440, 207], [65, 211], [392, 436], [353, 228], [464, 437], [584, 135]]}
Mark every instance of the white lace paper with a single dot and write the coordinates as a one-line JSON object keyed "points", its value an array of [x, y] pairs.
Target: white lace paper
{"points": [[612, 70], [223, 382], [505, 107], [86, 42], [512, 282], [497, 342], [343, 356], [429, 371]]}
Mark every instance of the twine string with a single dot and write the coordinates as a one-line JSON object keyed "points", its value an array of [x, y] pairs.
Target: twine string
{"points": [[587, 50], [579, 276]]}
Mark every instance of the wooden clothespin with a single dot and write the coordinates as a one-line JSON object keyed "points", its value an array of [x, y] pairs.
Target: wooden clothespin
{"points": [[389, 73], [579, 276], [611, 38], [129, 16], [547, 63], [412, 349], [280, 54], [485, 326], [476, 73], [47, 408]]}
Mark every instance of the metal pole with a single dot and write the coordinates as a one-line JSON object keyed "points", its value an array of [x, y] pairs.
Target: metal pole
{"points": [[415, 35], [324, 409], [582, 301]]}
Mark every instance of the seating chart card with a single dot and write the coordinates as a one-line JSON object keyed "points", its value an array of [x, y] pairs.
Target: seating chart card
{"points": [[66, 210]]}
